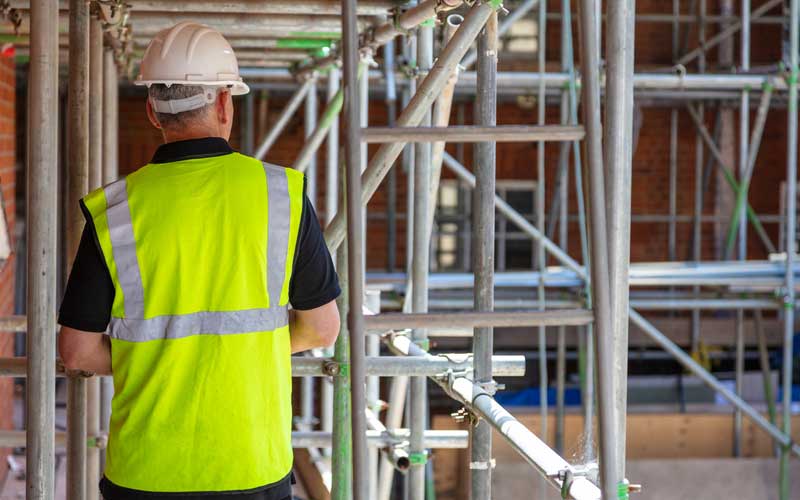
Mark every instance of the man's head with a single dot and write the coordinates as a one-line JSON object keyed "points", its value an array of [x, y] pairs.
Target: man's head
{"points": [[212, 119], [191, 73]]}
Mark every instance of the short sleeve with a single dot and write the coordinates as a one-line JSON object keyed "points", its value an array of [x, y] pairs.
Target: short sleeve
{"points": [[314, 282], [90, 291]]}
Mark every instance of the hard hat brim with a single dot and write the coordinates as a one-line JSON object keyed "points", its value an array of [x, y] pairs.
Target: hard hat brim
{"points": [[237, 87]]}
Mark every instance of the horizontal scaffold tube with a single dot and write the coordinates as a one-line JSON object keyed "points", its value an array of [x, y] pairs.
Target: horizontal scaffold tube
{"points": [[382, 439], [300, 439], [529, 80], [382, 366], [469, 133], [398, 321]]}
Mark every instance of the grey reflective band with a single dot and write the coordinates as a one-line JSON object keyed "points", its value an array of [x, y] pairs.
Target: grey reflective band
{"points": [[200, 323], [175, 106], [278, 218], [123, 243], [134, 327]]}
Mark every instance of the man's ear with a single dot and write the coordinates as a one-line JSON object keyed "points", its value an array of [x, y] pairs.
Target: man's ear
{"points": [[151, 115], [221, 105]]}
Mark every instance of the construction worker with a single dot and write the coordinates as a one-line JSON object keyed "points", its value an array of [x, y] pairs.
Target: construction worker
{"points": [[181, 290]]}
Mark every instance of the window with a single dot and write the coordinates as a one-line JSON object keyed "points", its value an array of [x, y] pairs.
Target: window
{"points": [[514, 250]]}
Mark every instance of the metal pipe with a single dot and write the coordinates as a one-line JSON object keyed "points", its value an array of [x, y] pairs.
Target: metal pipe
{"points": [[483, 257], [420, 269], [110, 174], [726, 172], [791, 237], [466, 133], [332, 151], [310, 125], [527, 80], [600, 277], [374, 403], [42, 186], [78, 182], [546, 461], [427, 92], [355, 243], [391, 183], [482, 318], [541, 259], [331, 202], [341, 468], [450, 439], [286, 114], [441, 118], [96, 156], [110, 117], [618, 142], [738, 220]]}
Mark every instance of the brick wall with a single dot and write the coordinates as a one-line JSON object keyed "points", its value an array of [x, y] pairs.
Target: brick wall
{"points": [[7, 185]]}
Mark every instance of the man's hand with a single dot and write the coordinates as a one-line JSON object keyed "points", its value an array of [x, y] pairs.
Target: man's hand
{"points": [[314, 328], [84, 351]]}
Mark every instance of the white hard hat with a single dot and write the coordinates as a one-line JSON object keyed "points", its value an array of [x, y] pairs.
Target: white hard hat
{"points": [[191, 54]]}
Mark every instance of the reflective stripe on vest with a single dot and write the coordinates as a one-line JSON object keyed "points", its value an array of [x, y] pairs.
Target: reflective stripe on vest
{"points": [[134, 327]]}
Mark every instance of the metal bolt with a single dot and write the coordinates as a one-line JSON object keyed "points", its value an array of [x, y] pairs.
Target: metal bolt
{"points": [[331, 368]]}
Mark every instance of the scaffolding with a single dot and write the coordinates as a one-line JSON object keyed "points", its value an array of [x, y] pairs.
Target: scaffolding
{"points": [[308, 44]]}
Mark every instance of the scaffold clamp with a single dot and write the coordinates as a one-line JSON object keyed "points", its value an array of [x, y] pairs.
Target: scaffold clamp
{"points": [[491, 464]]}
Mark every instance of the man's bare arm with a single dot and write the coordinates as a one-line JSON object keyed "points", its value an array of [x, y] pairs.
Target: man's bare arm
{"points": [[85, 351], [314, 328]]}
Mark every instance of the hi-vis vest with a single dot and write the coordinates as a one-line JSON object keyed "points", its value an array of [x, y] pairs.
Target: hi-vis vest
{"points": [[200, 252]]}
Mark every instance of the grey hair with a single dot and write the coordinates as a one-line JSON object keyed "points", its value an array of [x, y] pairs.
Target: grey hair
{"points": [[161, 92]]}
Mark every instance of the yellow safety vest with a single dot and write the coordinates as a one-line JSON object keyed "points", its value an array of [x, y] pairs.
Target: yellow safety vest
{"points": [[200, 252]]}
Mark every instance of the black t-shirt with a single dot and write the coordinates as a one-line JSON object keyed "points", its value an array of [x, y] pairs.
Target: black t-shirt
{"points": [[90, 294]]}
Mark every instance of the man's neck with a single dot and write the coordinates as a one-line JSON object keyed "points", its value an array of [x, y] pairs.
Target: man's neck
{"points": [[185, 135]]}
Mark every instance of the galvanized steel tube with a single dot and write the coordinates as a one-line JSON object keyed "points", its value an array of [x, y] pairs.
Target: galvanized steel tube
{"points": [[42, 190], [791, 236], [355, 243], [483, 257], [418, 396], [597, 229], [78, 183], [618, 143], [285, 116]]}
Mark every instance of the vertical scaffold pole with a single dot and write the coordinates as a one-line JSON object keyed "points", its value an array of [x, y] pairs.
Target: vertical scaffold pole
{"points": [[78, 182], [310, 123], [95, 181], [619, 151], [420, 262], [791, 234], [541, 258], [355, 243], [331, 202], [42, 206], [483, 251], [599, 248], [110, 174], [744, 132]]}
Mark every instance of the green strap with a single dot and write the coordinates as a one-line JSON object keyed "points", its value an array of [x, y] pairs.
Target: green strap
{"points": [[418, 458]]}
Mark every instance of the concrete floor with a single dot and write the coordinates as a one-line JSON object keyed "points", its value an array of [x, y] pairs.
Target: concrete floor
{"points": [[689, 479]]}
